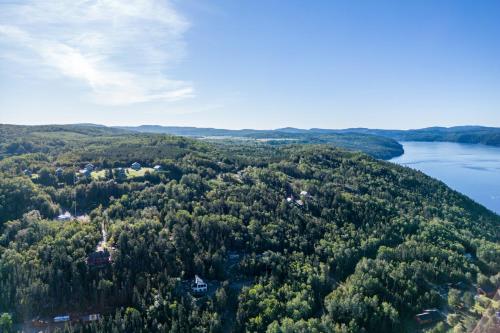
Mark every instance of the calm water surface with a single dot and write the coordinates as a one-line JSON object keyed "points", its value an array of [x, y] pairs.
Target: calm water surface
{"points": [[471, 169]]}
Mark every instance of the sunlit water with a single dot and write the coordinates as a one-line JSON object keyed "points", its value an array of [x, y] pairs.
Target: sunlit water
{"points": [[471, 169]]}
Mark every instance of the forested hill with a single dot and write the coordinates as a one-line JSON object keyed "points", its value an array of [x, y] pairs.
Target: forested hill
{"points": [[295, 238], [461, 134], [28, 139]]}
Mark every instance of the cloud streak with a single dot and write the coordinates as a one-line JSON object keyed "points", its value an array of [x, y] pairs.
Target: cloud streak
{"points": [[121, 50]]}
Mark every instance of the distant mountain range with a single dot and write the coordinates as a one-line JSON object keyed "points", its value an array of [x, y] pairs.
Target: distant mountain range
{"points": [[462, 134]]}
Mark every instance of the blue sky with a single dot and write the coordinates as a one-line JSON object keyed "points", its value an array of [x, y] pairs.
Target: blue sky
{"points": [[251, 64]]}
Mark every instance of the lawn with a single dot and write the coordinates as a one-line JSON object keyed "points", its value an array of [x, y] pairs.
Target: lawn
{"points": [[131, 173]]}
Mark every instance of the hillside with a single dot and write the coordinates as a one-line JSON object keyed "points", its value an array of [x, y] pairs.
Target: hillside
{"points": [[51, 139], [289, 238], [461, 134], [374, 145]]}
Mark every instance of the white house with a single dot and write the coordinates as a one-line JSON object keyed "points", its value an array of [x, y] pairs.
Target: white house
{"points": [[199, 286], [64, 217], [135, 166], [157, 168], [304, 194]]}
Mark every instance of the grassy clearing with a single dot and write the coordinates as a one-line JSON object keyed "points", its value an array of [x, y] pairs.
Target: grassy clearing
{"points": [[131, 173]]}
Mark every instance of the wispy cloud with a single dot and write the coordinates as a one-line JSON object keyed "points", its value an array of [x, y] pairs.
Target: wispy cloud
{"points": [[120, 49]]}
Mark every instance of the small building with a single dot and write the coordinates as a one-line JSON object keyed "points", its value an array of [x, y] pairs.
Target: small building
{"points": [[289, 199], [99, 258], [61, 319], [27, 172], [90, 317], [135, 166], [199, 286], [157, 168], [64, 217], [59, 172], [428, 317], [120, 173], [90, 167], [488, 291], [85, 172], [299, 203], [304, 194]]}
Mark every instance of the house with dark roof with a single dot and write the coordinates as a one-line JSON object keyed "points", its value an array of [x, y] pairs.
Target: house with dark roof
{"points": [[99, 258]]}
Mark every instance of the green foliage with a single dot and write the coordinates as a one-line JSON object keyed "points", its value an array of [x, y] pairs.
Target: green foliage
{"points": [[370, 245]]}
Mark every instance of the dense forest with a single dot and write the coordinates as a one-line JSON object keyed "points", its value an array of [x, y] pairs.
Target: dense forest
{"points": [[287, 238]]}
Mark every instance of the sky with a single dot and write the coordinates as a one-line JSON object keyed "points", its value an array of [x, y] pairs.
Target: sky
{"points": [[251, 64]]}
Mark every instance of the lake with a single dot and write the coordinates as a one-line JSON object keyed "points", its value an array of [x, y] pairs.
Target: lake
{"points": [[473, 170]]}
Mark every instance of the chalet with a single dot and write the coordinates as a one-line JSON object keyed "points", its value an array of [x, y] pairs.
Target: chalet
{"points": [[59, 172], [157, 168], [64, 217], [135, 166], [428, 317], [199, 286], [61, 319], [27, 172], [488, 291], [90, 167], [99, 258]]}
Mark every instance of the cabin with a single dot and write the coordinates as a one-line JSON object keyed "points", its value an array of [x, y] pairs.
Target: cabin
{"points": [[99, 258], [85, 172], [135, 166], [299, 202], [90, 317], [61, 319], [59, 172], [120, 173], [199, 286], [64, 217], [157, 168], [27, 172], [90, 167], [488, 291], [428, 316]]}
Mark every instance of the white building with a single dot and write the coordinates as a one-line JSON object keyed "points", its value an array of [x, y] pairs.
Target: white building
{"points": [[135, 166], [157, 168], [199, 286], [64, 217]]}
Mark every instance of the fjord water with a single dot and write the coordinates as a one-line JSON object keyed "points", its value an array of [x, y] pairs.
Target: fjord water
{"points": [[471, 169]]}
